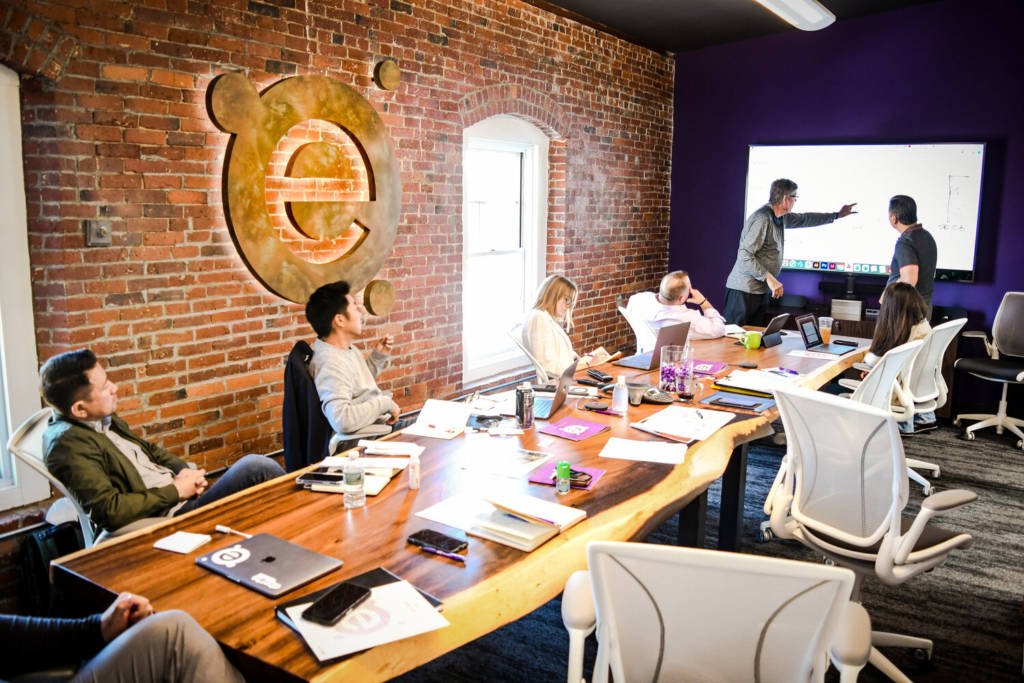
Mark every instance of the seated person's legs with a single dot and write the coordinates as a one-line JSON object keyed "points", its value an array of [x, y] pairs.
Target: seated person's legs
{"points": [[249, 471], [169, 646]]}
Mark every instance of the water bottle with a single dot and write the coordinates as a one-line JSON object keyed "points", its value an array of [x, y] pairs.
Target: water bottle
{"points": [[354, 493], [414, 471], [620, 396]]}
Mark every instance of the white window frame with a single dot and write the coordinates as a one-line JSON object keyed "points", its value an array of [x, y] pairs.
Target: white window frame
{"points": [[510, 133], [19, 382]]}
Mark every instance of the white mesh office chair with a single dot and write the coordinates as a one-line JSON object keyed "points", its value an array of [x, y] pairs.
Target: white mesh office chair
{"points": [[843, 495], [882, 389], [516, 334], [665, 613], [26, 444], [1007, 340], [875, 389], [646, 337]]}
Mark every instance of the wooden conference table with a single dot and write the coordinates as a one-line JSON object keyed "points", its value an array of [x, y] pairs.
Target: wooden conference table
{"points": [[497, 585]]}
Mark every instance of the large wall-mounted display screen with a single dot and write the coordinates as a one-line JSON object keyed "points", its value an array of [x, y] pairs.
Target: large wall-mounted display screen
{"points": [[944, 179]]}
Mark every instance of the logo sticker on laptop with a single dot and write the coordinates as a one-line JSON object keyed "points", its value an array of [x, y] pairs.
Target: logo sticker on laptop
{"points": [[229, 557]]}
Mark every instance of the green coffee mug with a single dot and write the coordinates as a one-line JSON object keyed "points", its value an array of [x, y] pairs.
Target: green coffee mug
{"points": [[752, 340]]}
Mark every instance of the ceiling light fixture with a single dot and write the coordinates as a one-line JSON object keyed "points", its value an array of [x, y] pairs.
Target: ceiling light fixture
{"points": [[806, 15]]}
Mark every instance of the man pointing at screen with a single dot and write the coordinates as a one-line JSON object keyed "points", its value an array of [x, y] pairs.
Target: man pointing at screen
{"points": [[754, 276]]}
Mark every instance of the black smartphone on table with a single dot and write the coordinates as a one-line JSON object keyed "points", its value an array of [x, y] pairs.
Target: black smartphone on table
{"points": [[435, 539], [330, 607], [600, 376], [736, 402]]}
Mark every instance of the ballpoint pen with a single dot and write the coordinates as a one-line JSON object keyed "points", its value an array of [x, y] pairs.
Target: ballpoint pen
{"points": [[443, 553]]}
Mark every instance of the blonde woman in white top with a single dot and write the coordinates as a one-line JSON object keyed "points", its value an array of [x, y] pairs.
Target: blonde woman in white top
{"points": [[547, 325]]}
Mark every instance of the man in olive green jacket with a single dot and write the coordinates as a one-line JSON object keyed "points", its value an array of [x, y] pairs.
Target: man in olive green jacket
{"points": [[118, 477]]}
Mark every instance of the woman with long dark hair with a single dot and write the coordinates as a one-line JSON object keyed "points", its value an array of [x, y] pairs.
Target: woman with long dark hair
{"points": [[903, 317]]}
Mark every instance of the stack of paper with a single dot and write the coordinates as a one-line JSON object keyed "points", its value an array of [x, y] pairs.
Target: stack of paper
{"points": [[684, 424], [440, 419], [758, 382]]}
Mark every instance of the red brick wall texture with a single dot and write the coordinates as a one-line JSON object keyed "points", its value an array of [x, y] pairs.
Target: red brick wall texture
{"points": [[115, 126]]}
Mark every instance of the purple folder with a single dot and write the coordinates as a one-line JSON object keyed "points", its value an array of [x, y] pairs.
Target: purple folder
{"points": [[573, 428]]}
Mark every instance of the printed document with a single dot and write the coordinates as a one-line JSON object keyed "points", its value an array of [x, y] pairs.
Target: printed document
{"points": [[394, 611]]}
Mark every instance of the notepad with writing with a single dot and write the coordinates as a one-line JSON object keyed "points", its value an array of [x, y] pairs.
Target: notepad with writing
{"points": [[573, 428]]}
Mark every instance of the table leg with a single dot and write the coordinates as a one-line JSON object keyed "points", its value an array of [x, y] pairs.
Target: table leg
{"points": [[692, 519], [734, 484]]}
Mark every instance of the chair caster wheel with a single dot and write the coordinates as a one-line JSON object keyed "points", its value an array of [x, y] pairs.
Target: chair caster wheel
{"points": [[922, 655], [1020, 444], [927, 490], [969, 436], [767, 535], [956, 422], [828, 561]]}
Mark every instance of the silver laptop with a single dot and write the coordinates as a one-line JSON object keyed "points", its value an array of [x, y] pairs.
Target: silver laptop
{"points": [[268, 564], [546, 407], [670, 335], [808, 327]]}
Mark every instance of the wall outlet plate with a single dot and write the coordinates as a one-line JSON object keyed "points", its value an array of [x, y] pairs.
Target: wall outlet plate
{"points": [[98, 232]]}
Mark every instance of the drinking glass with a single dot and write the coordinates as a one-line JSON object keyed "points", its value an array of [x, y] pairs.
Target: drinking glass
{"points": [[672, 358], [825, 326]]}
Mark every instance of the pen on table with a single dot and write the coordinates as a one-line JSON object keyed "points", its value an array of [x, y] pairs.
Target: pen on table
{"points": [[228, 530], [533, 454], [443, 553]]}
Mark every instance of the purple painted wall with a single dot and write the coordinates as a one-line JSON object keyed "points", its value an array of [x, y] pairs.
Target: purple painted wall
{"points": [[948, 71]]}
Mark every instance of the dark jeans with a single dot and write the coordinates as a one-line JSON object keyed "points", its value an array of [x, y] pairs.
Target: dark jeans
{"points": [[249, 471], [743, 308]]}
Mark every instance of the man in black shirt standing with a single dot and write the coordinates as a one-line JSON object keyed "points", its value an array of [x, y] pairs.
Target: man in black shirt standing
{"points": [[913, 260]]}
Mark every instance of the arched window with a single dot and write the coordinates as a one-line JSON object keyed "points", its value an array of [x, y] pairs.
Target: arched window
{"points": [[504, 218], [18, 381]]}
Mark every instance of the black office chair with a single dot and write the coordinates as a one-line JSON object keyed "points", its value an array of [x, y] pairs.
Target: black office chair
{"points": [[1007, 340], [307, 434]]}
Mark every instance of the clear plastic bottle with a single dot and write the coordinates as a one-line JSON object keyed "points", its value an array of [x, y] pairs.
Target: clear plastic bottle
{"points": [[354, 492], [414, 471], [620, 396]]}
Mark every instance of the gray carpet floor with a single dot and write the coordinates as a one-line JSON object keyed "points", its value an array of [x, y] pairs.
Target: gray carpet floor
{"points": [[971, 606]]}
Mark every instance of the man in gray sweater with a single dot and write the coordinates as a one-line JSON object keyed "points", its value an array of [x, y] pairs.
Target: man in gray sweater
{"points": [[344, 377], [754, 276]]}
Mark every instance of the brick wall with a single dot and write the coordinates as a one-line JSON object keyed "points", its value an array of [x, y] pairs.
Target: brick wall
{"points": [[116, 126]]}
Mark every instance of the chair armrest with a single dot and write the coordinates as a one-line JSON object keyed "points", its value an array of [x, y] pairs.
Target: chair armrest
{"points": [[944, 501], [990, 348], [578, 603], [863, 367], [849, 383], [851, 643]]}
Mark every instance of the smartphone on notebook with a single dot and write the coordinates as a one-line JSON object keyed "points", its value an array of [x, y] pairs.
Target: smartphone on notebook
{"points": [[330, 607]]}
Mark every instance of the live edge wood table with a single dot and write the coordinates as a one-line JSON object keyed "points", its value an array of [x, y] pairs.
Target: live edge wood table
{"points": [[497, 585]]}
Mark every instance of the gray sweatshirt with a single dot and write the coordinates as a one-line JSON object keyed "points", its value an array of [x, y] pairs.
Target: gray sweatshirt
{"points": [[761, 243], [344, 380]]}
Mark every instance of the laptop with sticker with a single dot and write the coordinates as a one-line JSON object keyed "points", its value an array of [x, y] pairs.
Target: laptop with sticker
{"points": [[268, 564]]}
